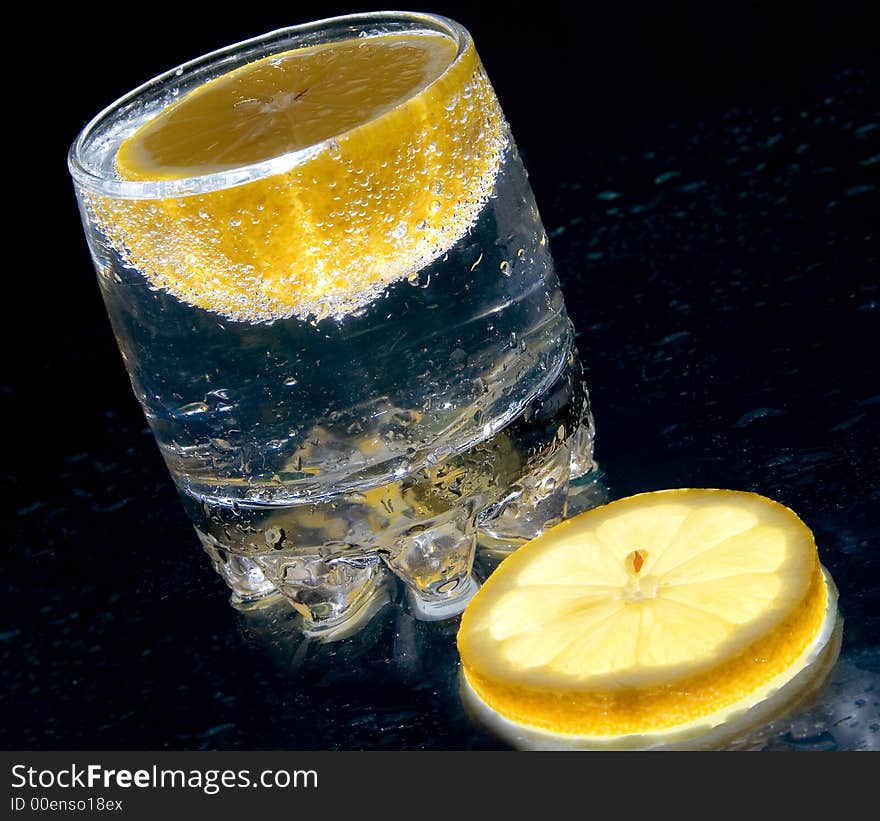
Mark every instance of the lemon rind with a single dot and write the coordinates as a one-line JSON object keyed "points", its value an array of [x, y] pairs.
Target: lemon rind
{"points": [[758, 707]]}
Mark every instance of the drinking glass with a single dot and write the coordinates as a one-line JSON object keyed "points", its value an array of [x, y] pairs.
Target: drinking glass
{"points": [[327, 439]]}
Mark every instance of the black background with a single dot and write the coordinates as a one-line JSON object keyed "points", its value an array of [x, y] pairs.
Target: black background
{"points": [[115, 634]]}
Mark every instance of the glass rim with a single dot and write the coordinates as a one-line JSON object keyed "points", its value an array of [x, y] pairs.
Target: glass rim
{"points": [[86, 177]]}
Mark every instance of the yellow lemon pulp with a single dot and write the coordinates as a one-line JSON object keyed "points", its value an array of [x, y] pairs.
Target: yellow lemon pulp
{"points": [[400, 138], [282, 103], [646, 615]]}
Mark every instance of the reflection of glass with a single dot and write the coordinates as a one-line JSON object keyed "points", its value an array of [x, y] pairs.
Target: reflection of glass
{"points": [[321, 437]]}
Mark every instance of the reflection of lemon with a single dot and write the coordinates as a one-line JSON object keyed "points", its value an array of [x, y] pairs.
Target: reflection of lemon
{"points": [[655, 616], [399, 140]]}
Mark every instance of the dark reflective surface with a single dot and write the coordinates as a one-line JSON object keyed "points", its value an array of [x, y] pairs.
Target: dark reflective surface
{"points": [[721, 266]]}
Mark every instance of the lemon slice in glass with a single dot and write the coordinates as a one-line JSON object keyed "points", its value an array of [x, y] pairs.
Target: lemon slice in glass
{"points": [[652, 620], [375, 154]]}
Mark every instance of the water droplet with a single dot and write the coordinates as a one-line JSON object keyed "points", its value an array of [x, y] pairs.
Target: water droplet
{"points": [[505, 268], [399, 231], [334, 149], [290, 381]]}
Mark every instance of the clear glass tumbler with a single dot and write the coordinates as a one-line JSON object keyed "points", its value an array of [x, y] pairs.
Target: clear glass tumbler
{"points": [[353, 353]]}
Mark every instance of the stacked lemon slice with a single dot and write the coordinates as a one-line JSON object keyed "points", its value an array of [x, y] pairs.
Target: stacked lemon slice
{"points": [[649, 621]]}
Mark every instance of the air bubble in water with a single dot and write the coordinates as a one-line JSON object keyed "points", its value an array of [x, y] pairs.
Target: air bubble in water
{"points": [[274, 537], [192, 408]]}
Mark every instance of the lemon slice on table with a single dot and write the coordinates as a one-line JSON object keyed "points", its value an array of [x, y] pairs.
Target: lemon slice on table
{"points": [[379, 153], [650, 621]]}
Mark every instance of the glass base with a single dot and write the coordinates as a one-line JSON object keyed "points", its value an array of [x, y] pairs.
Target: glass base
{"points": [[334, 561], [337, 595]]}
